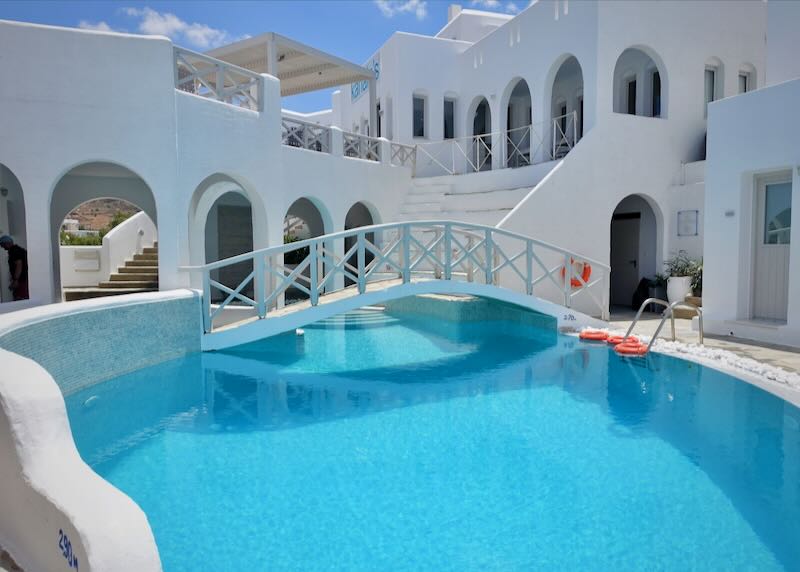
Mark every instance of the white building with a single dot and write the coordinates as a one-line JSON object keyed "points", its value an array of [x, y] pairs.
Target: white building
{"points": [[581, 124], [752, 270]]}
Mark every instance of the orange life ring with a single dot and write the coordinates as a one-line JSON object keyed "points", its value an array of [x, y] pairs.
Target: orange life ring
{"points": [[631, 349], [593, 335], [619, 338], [585, 273]]}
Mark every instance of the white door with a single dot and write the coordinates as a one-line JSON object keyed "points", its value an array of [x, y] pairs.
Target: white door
{"points": [[772, 244], [624, 258]]}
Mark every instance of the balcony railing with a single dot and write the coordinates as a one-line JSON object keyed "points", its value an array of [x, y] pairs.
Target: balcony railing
{"points": [[209, 77], [314, 137], [361, 147], [404, 155], [305, 135], [527, 145]]}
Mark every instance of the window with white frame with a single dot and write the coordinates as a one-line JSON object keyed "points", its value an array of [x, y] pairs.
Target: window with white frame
{"points": [[418, 127]]}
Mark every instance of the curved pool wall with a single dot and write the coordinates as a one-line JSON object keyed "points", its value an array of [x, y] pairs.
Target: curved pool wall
{"points": [[56, 513], [311, 431]]}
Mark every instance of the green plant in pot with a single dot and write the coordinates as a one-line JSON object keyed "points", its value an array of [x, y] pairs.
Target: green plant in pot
{"points": [[697, 278], [681, 270]]}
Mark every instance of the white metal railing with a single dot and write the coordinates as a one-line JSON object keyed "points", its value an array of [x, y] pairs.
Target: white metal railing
{"points": [[526, 145], [439, 250], [404, 155], [361, 146], [209, 77], [305, 135], [565, 134]]}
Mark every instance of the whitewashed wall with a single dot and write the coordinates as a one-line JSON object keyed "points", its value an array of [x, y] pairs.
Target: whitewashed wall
{"points": [[749, 136]]}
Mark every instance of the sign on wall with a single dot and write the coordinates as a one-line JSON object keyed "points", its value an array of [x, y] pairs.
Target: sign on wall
{"points": [[687, 223], [361, 87]]}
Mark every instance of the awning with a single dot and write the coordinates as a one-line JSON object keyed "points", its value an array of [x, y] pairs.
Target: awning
{"points": [[300, 68]]}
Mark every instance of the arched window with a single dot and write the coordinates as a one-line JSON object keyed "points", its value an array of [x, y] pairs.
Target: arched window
{"points": [[639, 84]]}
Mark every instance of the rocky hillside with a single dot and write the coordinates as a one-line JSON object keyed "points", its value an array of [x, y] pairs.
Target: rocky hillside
{"points": [[97, 214]]}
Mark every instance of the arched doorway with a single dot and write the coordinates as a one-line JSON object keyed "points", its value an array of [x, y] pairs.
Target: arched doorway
{"points": [[107, 246], [226, 218], [640, 84], [519, 117], [228, 233], [114, 185], [358, 216], [566, 107], [481, 155], [12, 224], [635, 249], [303, 220]]}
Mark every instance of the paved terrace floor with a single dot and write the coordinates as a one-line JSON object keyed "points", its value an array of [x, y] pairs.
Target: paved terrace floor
{"points": [[778, 356]]}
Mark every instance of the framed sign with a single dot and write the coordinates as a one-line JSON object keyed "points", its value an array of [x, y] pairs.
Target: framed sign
{"points": [[687, 223]]}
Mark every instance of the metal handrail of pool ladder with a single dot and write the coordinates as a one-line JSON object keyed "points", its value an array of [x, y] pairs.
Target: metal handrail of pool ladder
{"points": [[668, 312]]}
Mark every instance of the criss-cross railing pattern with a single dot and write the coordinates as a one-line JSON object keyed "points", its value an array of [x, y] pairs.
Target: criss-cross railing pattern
{"points": [[405, 252], [209, 77], [305, 135], [403, 155], [565, 134], [361, 146]]}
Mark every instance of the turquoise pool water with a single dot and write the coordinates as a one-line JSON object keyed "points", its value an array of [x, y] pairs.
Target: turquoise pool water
{"points": [[376, 443]]}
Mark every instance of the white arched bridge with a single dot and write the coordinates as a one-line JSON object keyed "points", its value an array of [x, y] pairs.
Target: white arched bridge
{"points": [[277, 289]]}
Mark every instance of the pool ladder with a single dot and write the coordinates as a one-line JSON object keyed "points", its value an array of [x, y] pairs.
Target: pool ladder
{"points": [[667, 313]]}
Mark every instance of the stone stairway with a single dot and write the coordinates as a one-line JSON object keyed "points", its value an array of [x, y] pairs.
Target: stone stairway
{"points": [[137, 275], [441, 201]]}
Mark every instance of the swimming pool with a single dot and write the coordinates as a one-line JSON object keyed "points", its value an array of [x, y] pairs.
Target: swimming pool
{"points": [[377, 442]]}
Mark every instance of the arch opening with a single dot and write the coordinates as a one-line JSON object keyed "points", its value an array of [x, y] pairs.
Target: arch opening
{"points": [[228, 233], [103, 233], [303, 220], [357, 216], [636, 230], [14, 285], [519, 117], [566, 107], [640, 84], [481, 126]]}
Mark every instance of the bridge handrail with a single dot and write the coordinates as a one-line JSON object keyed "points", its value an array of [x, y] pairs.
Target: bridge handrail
{"points": [[284, 248], [441, 249]]}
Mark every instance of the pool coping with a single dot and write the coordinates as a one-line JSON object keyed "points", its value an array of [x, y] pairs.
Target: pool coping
{"points": [[726, 363]]}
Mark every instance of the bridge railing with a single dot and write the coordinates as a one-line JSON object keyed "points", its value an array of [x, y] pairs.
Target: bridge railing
{"points": [[403, 252]]}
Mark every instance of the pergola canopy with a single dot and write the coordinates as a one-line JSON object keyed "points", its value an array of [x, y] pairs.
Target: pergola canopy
{"points": [[300, 68]]}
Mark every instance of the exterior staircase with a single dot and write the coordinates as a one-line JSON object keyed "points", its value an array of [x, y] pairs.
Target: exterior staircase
{"points": [[434, 201], [137, 275]]}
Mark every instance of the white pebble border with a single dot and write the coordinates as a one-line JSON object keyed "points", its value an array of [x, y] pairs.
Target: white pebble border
{"points": [[783, 383]]}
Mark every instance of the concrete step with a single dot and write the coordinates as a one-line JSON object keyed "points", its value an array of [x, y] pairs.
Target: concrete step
{"points": [[410, 208], [150, 250], [485, 200], [151, 257], [489, 217], [415, 198], [150, 270], [146, 284], [138, 263], [71, 294], [134, 276]]}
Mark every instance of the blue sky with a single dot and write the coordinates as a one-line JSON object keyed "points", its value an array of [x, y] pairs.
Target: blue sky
{"points": [[352, 29]]}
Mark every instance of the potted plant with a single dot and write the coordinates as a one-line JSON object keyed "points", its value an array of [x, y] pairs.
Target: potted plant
{"points": [[658, 288], [680, 269]]}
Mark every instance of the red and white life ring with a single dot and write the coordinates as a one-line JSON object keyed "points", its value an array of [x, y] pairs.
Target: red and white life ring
{"points": [[582, 269]]}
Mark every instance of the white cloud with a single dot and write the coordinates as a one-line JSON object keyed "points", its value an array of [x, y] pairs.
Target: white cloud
{"points": [[391, 7], [497, 6], [99, 26], [167, 24]]}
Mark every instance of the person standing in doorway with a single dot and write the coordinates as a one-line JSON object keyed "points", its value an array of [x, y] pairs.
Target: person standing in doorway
{"points": [[17, 267]]}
